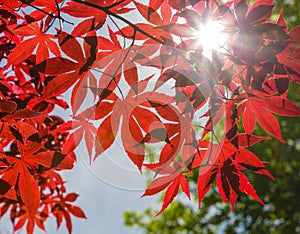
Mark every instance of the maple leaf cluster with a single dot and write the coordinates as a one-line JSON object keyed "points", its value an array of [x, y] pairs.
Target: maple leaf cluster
{"points": [[191, 106]]}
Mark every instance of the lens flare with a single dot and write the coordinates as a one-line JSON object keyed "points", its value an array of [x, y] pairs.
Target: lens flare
{"points": [[211, 36]]}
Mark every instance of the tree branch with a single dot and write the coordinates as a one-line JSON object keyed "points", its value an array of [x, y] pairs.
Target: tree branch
{"points": [[47, 13], [108, 12]]}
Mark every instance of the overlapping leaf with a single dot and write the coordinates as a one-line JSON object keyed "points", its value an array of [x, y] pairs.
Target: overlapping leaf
{"points": [[246, 83]]}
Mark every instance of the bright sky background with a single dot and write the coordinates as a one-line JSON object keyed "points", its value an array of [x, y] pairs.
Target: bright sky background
{"points": [[109, 187], [103, 205], [100, 191]]}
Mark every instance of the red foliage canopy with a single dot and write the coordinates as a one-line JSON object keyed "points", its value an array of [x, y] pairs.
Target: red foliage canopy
{"points": [[192, 105]]}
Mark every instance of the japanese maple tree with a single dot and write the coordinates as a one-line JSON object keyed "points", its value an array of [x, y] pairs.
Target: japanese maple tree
{"points": [[200, 90]]}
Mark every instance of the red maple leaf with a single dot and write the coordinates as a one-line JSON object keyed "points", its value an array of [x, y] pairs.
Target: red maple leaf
{"points": [[43, 42]]}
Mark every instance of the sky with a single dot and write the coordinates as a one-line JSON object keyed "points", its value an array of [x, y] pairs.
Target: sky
{"points": [[103, 204], [103, 198], [107, 188]]}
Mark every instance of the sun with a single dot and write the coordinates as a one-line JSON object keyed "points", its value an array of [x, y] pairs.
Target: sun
{"points": [[211, 36]]}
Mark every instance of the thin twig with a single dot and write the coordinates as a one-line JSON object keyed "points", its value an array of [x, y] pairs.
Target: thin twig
{"points": [[45, 12], [108, 12], [120, 30], [58, 14]]}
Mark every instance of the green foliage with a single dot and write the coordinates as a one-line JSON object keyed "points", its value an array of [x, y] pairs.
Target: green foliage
{"points": [[280, 215], [291, 11]]}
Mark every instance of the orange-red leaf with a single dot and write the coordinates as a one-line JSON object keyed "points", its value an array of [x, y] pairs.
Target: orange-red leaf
{"points": [[207, 175], [29, 191], [249, 160], [105, 134], [159, 184], [76, 211], [60, 84], [247, 188], [71, 197], [22, 51], [170, 194]]}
